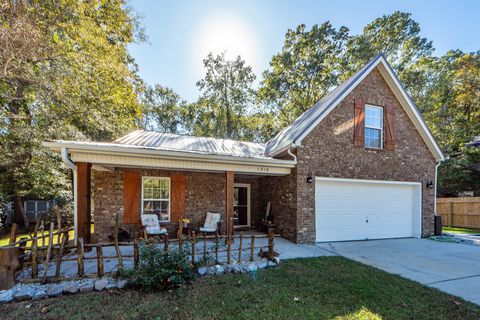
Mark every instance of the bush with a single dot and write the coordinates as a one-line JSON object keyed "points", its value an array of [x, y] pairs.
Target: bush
{"points": [[158, 270]]}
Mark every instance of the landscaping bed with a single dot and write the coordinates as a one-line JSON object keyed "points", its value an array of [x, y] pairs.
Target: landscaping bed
{"points": [[319, 288]]}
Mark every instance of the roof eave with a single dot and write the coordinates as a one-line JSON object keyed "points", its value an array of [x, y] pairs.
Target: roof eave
{"points": [[144, 151]]}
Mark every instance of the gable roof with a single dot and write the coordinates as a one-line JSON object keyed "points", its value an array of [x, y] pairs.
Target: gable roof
{"points": [[301, 127], [185, 143]]}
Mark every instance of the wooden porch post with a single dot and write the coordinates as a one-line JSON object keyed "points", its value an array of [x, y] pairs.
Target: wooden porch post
{"points": [[229, 202], [83, 201]]}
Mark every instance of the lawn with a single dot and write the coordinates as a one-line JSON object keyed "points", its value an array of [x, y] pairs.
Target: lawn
{"points": [[5, 239], [314, 288], [460, 230]]}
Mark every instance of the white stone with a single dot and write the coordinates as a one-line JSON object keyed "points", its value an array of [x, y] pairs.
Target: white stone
{"points": [[101, 284], [271, 264], [54, 290], [252, 267], [237, 269], [219, 269], [244, 268], [122, 283], [261, 264], [211, 271], [71, 288], [202, 271], [87, 288], [6, 296], [40, 294], [24, 293]]}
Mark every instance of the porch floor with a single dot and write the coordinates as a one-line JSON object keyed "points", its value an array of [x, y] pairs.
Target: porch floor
{"points": [[285, 248]]}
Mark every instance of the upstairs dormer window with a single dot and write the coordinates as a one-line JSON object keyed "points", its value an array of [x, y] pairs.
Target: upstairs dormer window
{"points": [[373, 127]]}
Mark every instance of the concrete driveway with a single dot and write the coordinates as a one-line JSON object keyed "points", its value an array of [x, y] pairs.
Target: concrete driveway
{"points": [[450, 267]]}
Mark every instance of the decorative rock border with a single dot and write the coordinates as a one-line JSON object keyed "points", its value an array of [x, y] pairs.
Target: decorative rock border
{"points": [[237, 268], [36, 291]]}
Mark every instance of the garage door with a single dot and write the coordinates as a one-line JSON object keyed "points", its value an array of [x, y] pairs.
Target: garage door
{"points": [[349, 209]]}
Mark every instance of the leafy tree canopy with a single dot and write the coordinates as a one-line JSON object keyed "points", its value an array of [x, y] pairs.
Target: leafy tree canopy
{"points": [[66, 73]]}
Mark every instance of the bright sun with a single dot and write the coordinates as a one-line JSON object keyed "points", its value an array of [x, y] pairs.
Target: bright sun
{"points": [[225, 33]]}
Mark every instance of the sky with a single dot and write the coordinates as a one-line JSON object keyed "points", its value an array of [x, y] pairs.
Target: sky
{"points": [[181, 33]]}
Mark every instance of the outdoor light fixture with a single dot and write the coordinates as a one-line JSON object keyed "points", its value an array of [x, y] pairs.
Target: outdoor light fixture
{"points": [[429, 184], [309, 179]]}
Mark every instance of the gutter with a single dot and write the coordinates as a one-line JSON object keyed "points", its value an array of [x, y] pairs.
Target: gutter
{"points": [[71, 165], [170, 154]]}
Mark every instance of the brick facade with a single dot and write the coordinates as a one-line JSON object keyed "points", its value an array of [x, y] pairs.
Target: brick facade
{"points": [[204, 192], [327, 151]]}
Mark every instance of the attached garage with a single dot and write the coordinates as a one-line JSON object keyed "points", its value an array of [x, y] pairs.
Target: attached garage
{"points": [[350, 209]]}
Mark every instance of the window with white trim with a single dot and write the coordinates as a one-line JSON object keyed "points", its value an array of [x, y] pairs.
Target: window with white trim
{"points": [[373, 127], [156, 197]]}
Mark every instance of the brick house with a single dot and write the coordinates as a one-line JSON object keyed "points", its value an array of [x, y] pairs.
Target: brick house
{"points": [[360, 164]]}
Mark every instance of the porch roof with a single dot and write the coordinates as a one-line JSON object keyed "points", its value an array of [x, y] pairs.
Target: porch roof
{"points": [[170, 151]]}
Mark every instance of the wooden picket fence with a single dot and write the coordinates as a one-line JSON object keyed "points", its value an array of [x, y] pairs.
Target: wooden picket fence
{"points": [[35, 254], [462, 212]]}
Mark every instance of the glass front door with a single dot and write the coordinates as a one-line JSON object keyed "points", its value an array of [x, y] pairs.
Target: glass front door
{"points": [[241, 206]]}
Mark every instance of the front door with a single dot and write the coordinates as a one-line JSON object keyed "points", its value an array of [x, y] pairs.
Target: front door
{"points": [[241, 205]]}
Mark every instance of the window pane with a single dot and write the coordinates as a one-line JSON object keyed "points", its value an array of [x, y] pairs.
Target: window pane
{"points": [[162, 194], [147, 183], [374, 117], [160, 208], [157, 190], [373, 138]]}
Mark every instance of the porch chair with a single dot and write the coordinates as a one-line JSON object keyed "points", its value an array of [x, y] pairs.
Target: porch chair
{"points": [[212, 221], [151, 226]]}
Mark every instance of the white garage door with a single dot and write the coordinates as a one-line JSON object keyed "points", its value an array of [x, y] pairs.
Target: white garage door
{"points": [[348, 209]]}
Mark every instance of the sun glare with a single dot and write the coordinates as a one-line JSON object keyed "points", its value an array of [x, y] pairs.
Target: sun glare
{"points": [[225, 33]]}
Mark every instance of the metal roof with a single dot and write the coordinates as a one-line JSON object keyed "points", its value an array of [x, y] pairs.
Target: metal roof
{"points": [[184, 143], [305, 121], [475, 142]]}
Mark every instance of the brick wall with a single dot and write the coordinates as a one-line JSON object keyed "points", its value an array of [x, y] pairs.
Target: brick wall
{"points": [[328, 151], [282, 193], [204, 192]]}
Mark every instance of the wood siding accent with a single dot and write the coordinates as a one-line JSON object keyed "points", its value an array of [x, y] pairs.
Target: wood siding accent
{"points": [[83, 201], [359, 123], [132, 189], [389, 123], [178, 188], [229, 189]]}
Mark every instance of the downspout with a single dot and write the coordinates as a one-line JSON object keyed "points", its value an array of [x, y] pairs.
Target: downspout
{"points": [[72, 166], [436, 187], [289, 151]]}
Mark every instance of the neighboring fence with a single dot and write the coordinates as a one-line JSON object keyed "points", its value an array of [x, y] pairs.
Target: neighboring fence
{"points": [[463, 212]]}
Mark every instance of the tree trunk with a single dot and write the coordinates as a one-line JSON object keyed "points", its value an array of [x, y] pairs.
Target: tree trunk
{"points": [[19, 213]]}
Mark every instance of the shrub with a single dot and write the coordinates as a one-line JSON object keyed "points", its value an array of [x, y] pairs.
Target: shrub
{"points": [[159, 270]]}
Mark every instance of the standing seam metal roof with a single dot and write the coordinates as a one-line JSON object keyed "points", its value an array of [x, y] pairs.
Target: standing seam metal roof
{"points": [[184, 143]]}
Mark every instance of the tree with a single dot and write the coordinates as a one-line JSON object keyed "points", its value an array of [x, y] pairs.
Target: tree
{"points": [[396, 35], [450, 103], [227, 97], [164, 111], [308, 66], [66, 73]]}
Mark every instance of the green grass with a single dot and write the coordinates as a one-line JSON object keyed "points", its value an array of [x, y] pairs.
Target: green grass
{"points": [[6, 238], [460, 230], [314, 288]]}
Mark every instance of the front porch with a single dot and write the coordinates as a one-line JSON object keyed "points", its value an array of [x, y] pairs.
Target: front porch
{"points": [[241, 200]]}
